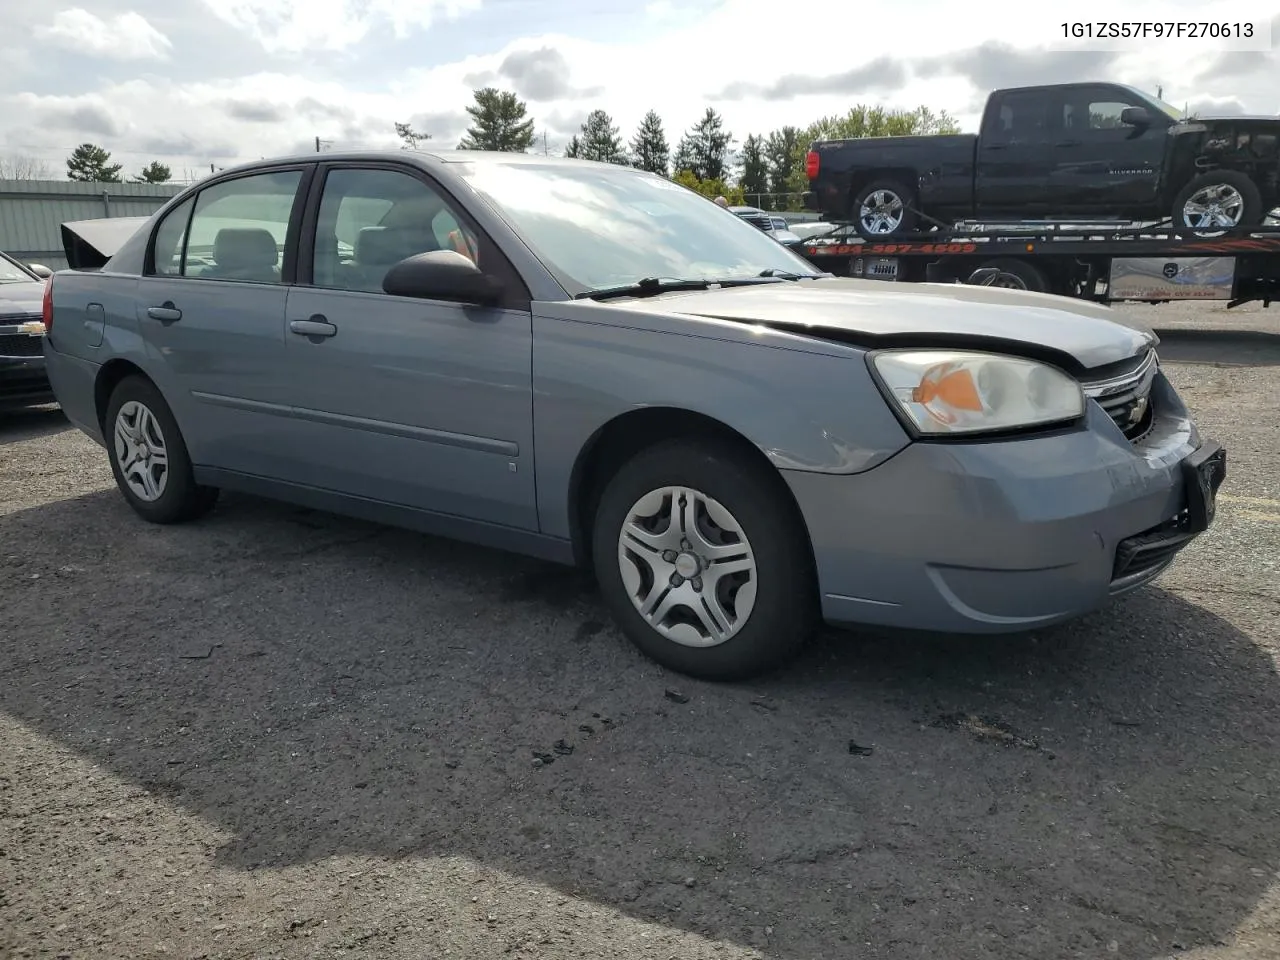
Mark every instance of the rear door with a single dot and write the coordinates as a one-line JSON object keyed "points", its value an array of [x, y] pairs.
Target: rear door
{"points": [[210, 307], [1101, 167], [421, 403], [1015, 154]]}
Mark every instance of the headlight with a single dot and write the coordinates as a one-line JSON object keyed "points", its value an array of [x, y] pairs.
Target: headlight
{"points": [[949, 392]]}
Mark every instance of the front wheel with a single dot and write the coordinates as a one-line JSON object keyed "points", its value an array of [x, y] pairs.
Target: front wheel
{"points": [[149, 457], [702, 561], [1219, 200]]}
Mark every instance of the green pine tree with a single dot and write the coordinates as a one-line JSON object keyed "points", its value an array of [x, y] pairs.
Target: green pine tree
{"points": [[89, 163], [753, 174], [708, 143], [154, 172], [499, 122], [600, 140], [649, 149]]}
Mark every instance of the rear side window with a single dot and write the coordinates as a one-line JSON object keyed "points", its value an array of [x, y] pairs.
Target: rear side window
{"points": [[239, 227], [1019, 116], [171, 239]]}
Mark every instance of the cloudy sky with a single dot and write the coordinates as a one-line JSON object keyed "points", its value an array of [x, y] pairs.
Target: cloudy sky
{"points": [[194, 82]]}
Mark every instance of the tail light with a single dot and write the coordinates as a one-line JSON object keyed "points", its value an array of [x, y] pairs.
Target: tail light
{"points": [[48, 305], [811, 164]]}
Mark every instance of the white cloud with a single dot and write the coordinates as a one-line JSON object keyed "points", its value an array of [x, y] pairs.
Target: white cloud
{"points": [[127, 36], [672, 67], [294, 26]]}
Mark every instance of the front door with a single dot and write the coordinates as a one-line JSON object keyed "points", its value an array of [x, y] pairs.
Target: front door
{"points": [[210, 307], [422, 403], [1103, 167]]}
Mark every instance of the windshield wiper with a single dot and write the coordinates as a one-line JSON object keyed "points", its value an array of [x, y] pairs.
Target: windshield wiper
{"points": [[650, 286], [783, 274], [643, 288]]}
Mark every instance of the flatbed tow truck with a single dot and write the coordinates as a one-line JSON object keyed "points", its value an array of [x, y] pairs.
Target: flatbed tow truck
{"points": [[1150, 263]]}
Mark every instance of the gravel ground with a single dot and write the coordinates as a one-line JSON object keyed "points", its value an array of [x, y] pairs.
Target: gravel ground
{"points": [[277, 733]]}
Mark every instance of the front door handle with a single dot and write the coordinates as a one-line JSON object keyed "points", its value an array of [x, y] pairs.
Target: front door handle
{"points": [[316, 326], [165, 313], [1067, 143]]}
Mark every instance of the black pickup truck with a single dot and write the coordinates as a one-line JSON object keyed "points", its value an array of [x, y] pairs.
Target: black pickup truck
{"points": [[1060, 153]]}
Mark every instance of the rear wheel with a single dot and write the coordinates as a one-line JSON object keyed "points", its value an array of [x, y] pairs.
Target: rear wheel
{"points": [[883, 209], [149, 457], [702, 561], [1018, 275]]}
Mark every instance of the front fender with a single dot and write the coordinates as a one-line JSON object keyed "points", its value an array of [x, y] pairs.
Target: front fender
{"points": [[806, 405]]}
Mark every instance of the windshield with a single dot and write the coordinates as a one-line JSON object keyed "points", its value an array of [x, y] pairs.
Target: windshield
{"points": [[1168, 109], [10, 272], [602, 228]]}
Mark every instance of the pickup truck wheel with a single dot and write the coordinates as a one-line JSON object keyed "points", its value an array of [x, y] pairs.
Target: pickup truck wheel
{"points": [[1218, 200], [882, 209], [149, 457], [1018, 275], [702, 562]]}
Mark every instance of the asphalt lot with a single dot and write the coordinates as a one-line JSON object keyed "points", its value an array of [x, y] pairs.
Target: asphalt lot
{"points": [[277, 733]]}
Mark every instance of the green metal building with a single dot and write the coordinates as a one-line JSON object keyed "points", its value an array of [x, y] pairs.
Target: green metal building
{"points": [[32, 211]]}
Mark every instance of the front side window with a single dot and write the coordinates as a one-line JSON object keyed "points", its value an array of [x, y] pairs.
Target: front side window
{"points": [[612, 226], [239, 227], [1101, 111], [1106, 115], [370, 220]]}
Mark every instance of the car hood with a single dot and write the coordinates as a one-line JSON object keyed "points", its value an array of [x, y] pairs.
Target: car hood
{"points": [[879, 313], [21, 299], [1249, 117]]}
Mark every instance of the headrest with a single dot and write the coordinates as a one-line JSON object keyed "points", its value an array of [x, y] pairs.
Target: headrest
{"points": [[383, 246], [239, 247]]}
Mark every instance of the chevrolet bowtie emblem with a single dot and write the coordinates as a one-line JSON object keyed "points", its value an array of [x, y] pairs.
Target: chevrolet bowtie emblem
{"points": [[34, 329], [1138, 410]]}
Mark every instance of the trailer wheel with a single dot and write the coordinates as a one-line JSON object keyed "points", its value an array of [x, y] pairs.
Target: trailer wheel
{"points": [[1218, 201], [883, 209], [1018, 275]]}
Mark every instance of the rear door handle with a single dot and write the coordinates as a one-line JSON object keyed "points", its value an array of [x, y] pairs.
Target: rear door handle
{"points": [[1067, 143], [316, 326], [996, 146], [165, 313]]}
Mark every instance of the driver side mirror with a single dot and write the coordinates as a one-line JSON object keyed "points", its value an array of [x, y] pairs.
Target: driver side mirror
{"points": [[442, 275], [1135, 117], [40, 270]]}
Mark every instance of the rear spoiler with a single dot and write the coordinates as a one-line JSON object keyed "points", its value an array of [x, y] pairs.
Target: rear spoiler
{"points": [[89, 244]]}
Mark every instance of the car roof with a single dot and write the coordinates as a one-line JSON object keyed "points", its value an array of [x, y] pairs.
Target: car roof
{"points": [[429, 157]]}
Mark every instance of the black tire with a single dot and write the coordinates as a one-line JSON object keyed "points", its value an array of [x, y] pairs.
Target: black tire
{"points": [[905, 194], [785, 609], [181, 499], [1251, 215], [1018, 275]]}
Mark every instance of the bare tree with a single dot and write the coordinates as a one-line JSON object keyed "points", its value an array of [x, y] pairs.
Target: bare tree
{"points": [[19, 166]]}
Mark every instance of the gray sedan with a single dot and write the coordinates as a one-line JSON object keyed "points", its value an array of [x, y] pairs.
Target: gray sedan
{"points": [[594, 365]]}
